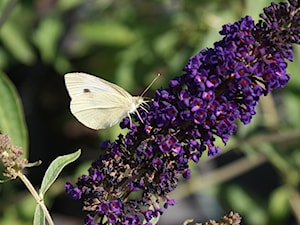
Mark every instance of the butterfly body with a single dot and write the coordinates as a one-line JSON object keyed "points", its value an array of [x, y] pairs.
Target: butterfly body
{"points": [[97, 103]]}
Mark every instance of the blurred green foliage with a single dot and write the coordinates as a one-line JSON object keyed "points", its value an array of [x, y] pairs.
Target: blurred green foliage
{"points": [[129, 42], [11, 114]]}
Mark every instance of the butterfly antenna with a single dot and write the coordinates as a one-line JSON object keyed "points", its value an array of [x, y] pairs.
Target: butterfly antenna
{"points": [[152, 82]]}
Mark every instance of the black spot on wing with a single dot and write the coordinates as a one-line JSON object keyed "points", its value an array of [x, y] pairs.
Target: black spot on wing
{"points": [[85, 90]]}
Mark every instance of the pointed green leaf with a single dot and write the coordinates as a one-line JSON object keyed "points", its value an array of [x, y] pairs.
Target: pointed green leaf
{"points": [[39, 218], [12, 120], [55, 168]]}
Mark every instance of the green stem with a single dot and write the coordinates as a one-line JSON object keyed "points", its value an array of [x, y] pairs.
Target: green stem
{"points": [[36, 196]]}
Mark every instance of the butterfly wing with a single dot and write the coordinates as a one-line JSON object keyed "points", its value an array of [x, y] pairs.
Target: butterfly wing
{"points": [[99, 110], [95, 102], [77, 83]]}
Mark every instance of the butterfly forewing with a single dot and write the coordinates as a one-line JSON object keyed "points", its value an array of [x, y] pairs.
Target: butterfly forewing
{"points": [[78, 83]]}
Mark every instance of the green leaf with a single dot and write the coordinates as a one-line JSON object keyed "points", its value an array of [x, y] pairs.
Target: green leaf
{"points": [[39, 218], [279, 203], [108, 33], [12, 120], [14, 40], [46, 37], [55, 168]]}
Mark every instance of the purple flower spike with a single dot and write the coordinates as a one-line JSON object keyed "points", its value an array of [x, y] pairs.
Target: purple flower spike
{"points": [[219, 86]]}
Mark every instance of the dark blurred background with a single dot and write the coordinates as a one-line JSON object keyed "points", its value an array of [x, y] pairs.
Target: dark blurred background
{"points": [[128, 43]]}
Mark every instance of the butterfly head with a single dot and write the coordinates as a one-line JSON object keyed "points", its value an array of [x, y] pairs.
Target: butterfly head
{"points": [[137, 101]]}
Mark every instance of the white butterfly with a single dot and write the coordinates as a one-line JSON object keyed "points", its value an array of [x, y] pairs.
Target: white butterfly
{"points": [[97, 103]]}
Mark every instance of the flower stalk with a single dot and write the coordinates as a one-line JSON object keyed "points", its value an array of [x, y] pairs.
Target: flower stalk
{"points": [[11, 157]]}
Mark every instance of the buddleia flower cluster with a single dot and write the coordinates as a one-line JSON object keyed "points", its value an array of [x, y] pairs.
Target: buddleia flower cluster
{"points": [[220, 85], [11, 157]]}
